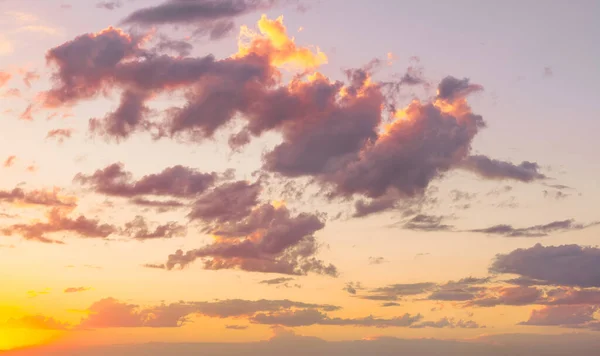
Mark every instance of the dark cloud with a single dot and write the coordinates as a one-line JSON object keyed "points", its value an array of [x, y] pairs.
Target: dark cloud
{"points": [[58, 221], [462, 290], [181, 48], [495, 169], [79, 77], [363, 208], [535, 230], [109, 5], [424, 222], [274, 281], [161, 205], [390, 304], [51, 198], [127, 118], [451, 88], [397, 291], [209, 13], [268, 240], [352, 287], [229, 202], [253, 237], [566, 265], [176, 181], [447, 323], [376, 260], [332, 132], [138, 229], [558, 195], [308, 317], [236, 327]]}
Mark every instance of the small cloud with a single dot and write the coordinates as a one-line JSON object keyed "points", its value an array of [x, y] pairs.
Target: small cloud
{"points": [[236, 327], [10, 161], [76, 289], [377, 260], [109, 5], [34, 293]]}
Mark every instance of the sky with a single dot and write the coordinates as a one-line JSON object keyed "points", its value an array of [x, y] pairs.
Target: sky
{"points": [[267, 175]]}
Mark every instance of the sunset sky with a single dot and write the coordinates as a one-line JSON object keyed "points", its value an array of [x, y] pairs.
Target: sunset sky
{"points": [[239, 171]]}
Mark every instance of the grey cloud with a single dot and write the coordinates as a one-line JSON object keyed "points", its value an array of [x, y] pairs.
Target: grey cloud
{"points": [[567, 265], [496, 169], [316, 317], [138, 229], [424, 222], [177, 181], [274, 281], [535, 230]]}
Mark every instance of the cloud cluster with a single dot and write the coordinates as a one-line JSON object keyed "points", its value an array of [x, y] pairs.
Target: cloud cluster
{"points": [[566, 265], [253, 236], [59, 221], [333, 132]]}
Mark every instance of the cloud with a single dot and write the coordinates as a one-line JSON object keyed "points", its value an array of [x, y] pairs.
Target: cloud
{"points": [[535, 230], [376, 260], [176, 181], [212, 17], [395, 292], [462, 290], [352, 287], [566, 265], [266, 239], [34, 322], [236, 327], [280, 280], [109, 5], [111, 313], [390, 304], [138, 229], [228, 202], [27, 114], [4, 78], [160, 205], [495, 169], [315, 317], [10, 161], [333, 132], [76, 289], [57, 221], [60, 134], [41, 197], [182, 48], [567, 315], [447, 323], [422, 222], [510, 296], [29, 77]]}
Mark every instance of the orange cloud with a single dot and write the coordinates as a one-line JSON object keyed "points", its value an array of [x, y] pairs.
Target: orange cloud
{"points": [[10, 161], [273, 41]]}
